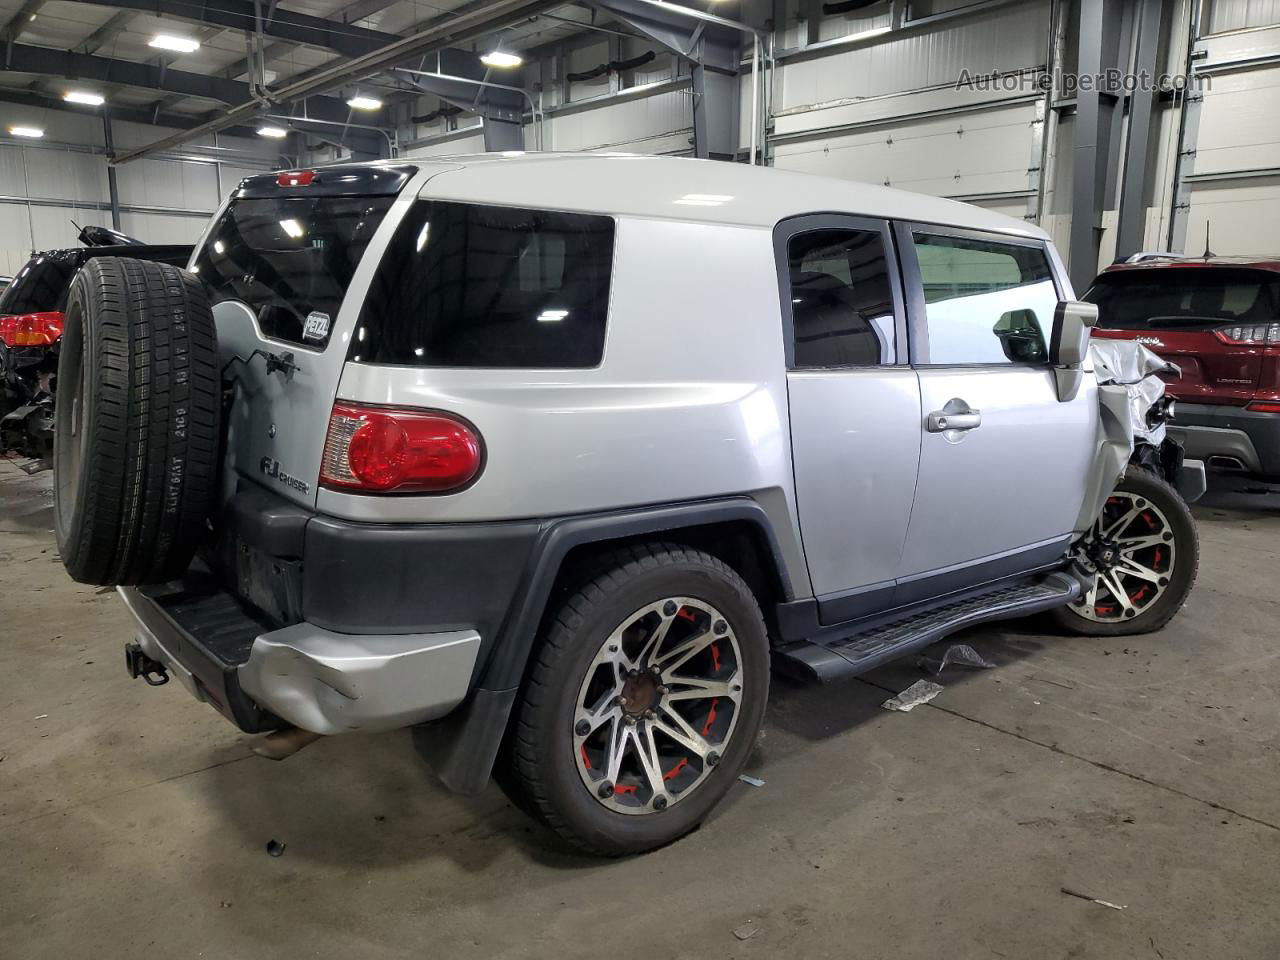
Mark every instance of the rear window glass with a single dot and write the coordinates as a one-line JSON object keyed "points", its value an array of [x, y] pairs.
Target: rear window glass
{"points": [[468, 285], [42, 285], [1184, 298], [289, 259]]}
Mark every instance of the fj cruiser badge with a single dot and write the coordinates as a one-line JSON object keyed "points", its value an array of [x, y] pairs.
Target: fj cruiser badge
{"points": [[1150, 341], [270, 467], [316, 327]]}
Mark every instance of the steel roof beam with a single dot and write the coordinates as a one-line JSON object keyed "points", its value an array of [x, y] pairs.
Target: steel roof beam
{"points": [[278, 24]]}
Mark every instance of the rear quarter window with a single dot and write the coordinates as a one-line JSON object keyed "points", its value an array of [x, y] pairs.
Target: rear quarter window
{"points": [[470, 285]]}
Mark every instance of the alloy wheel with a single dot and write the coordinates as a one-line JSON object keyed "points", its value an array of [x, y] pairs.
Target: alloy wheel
{"points": [[1129, 555], [658, 706]]}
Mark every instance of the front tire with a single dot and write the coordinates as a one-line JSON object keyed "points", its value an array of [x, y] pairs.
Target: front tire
{"points": [[644, 702], [1140, 560]]}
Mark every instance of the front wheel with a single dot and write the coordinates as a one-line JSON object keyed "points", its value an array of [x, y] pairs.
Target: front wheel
{"points": [[644, 703], [1139, 560]]}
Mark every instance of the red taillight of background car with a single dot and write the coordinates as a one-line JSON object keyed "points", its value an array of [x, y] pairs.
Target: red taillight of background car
{"points": [[398, 450], [1256, 334], [31, 329]]}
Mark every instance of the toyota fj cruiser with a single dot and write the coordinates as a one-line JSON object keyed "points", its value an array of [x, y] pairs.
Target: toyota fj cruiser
{"points": [[549, 457]]}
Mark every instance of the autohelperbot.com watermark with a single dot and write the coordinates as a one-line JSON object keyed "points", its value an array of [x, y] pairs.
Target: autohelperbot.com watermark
{"points": [[1112, 81]]}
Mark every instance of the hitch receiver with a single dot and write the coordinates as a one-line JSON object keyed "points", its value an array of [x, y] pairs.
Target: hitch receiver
{"points": [[138, 664]]}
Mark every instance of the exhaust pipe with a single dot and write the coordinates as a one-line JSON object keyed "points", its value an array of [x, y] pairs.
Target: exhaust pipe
{"points": [[1224, 462], [282, 744]]}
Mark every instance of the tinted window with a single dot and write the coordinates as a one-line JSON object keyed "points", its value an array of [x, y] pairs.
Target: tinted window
{"points": [[466, 285], [42, 285], [289, 259], [986, 301], [841, 299], [1185, 297]]}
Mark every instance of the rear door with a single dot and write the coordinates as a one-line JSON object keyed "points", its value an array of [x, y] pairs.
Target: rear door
{"points": [[285, 263], [1217, 323], [1003, 463], [855, 406]]}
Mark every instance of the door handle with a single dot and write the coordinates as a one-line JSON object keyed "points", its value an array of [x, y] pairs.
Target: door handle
{"points": [[941, 421]]}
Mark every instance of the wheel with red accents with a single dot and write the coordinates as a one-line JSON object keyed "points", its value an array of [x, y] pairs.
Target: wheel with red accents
{"points": [[644, 702], [1139, 560]]}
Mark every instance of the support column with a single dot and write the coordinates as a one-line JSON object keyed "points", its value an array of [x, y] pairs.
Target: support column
{"points": [[1096, 146], [1132, 215], [113, 187]]}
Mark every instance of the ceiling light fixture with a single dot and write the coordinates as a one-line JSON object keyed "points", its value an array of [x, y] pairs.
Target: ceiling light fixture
{"points": [[26, 131], [275, 133], [85, 97], [364, 103], [501, 59], [166, 41]]}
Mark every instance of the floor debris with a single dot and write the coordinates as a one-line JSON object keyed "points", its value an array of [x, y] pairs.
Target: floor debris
{"points": [[959, 654], [753, 781], [1103, 903], [275, 848], [746, 931], [922, 691]]}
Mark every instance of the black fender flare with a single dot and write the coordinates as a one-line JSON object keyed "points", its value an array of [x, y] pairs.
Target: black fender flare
{"points": [[462, 746]]}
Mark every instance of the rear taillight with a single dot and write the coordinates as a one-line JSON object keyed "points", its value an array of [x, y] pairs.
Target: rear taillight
{"points": [[1254, 334], [1263, 406], [31, 329], [398, 450]]}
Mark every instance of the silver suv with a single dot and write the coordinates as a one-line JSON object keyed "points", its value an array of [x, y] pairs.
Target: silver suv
{"points": [[550, 458]]}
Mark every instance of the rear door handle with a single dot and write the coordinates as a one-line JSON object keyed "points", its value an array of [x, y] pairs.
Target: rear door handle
{"points": [[940, 421]]}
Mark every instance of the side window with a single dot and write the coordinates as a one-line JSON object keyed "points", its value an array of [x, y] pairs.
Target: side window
{"points": [[986, 301], [841, 299], [470, 285]]}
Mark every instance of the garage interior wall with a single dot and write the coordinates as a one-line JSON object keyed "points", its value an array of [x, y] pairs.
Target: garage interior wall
{"points": [[47, 184], [870, 94]]}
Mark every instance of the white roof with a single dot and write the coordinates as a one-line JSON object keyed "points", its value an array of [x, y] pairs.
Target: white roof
{"points": [[707, 191]]}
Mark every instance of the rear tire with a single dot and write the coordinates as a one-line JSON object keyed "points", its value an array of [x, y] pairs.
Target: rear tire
{"points": [[136, 422], [1153, 560], [662, 789]]}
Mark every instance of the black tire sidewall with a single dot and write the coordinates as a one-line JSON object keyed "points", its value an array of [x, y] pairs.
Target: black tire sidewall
{"points": [[600, 827]]}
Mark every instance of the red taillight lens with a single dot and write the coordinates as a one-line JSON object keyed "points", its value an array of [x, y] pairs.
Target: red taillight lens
{"points": [[397, 450], [31, 329], [1255, 334], [1263, 406], [295, 178]]}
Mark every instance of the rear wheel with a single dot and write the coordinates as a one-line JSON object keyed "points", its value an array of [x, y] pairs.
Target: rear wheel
{"points": [[644, 702], [1139, 560]]}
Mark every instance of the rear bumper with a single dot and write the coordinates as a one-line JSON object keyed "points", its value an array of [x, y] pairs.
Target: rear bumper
{"points": [[1214, 433], [304, 675]]}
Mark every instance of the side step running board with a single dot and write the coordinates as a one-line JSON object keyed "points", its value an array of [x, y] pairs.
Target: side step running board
{"points": [[835, 659]]}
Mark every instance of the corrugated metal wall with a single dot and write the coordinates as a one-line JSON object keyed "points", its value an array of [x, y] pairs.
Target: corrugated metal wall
{"points": [[1241, 14], [47, 184]]}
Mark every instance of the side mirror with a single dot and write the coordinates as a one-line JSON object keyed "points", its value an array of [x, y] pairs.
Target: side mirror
{"points": [[1072, 322]]}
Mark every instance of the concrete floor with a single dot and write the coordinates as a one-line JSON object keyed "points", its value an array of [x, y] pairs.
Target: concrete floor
{"points": [[1143, 772]]}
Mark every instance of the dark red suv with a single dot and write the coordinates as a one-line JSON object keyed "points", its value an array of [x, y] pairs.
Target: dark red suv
{"points": [[1217, 318]]}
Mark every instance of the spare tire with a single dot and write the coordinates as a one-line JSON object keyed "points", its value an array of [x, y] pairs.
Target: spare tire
{"points": [[136, 422]]}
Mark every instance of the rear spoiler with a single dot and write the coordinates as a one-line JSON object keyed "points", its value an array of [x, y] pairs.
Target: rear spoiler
{"points": [[346, 180]]}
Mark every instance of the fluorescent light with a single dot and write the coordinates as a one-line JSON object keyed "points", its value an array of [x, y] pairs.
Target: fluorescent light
{"points": [[26, 131], [293, 228], [552, 316], [219, 247], [703, 199], [85, 97], [501, 59], [364, 103], [422, 237], [166, 41], [275, 133]]}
